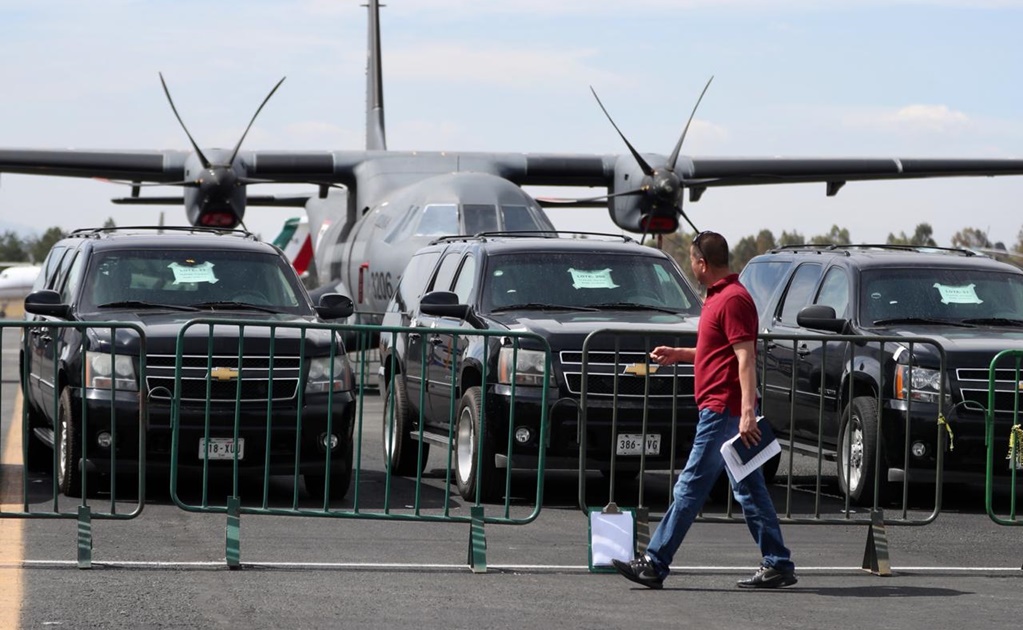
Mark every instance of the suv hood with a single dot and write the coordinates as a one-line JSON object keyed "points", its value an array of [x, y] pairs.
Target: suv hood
{"points": [[162, 328], [968, 346]]}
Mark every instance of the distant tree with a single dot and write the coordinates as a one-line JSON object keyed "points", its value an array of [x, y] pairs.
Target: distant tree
{"points": [[12, 248], [793, 238], [109, 223], [1019, 241], [38, 248], [765, 241], [837, 236], [971, 238], [922, 237]]}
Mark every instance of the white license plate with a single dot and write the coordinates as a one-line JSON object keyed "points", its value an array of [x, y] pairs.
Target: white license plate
{"points": [[221, 448], [632, 444]]}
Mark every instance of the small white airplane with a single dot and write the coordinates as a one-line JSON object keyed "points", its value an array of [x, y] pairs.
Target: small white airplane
{"points": [[15, 283]]}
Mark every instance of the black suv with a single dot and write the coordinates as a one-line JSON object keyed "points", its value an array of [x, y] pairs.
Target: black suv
{"points": [[159, 280], [561, 290], [969, 304]]}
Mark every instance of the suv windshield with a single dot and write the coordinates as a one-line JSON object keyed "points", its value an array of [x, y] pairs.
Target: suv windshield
{"points": [[185, 278], [936, 294], [586, 279]]}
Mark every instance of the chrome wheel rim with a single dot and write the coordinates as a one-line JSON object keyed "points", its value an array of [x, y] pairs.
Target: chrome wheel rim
{"points": [[389, 427], [854, 458], [466, 445], [62, 462]]}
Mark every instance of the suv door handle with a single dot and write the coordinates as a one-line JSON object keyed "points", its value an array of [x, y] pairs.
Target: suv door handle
{"points": [[412, 336], [436, 340], [803, 350]]}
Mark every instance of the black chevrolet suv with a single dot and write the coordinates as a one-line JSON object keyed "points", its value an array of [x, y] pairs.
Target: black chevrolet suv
{"points": [[970, 305], [159, 280], [558, 289]]}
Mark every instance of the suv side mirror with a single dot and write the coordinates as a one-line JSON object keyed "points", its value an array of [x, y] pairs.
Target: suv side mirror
{"points": [[47, 302], [821, 317], [443, 304], [335, 306]]}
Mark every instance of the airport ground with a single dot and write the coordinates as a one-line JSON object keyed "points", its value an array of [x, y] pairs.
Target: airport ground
{"points": [[166, 568]]}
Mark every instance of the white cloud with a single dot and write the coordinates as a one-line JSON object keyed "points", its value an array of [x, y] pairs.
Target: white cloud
{"points": [[917, 118]]}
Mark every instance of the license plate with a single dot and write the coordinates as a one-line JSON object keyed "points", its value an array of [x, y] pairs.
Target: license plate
{"points": [[221, 448], [631, 444]]}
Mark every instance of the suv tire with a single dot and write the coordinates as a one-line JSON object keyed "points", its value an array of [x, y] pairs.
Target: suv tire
{"points": [[401, 452], [68, 443], [340, 476], [467, 438], [857, 443]]}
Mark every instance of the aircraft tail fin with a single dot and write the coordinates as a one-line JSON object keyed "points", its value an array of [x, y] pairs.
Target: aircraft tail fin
{"points": [[375, 137], [294, 240]]}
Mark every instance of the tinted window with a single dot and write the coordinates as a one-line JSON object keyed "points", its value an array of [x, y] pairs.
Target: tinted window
{"points": [[413, 281], [761, 279], [799, 291], [74, 277], [188, 277], [465, 280], [835, 291], [446, 272], [936, 293], [591, 278], [49, 265]]}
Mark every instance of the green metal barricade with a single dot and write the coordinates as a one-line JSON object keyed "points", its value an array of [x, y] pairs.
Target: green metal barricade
{"points": [[103, 426], [282, 432], [1003, 432], [857, 353]]}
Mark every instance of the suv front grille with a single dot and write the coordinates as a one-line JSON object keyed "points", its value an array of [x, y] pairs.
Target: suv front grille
{"points": [[254, 378], [973, 387], [602, 370]]}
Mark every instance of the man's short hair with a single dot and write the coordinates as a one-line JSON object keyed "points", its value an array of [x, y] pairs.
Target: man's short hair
{"points": [[712, 247]]}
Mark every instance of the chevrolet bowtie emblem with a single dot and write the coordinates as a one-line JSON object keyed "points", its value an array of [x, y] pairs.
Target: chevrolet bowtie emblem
{"points": [[223, 373], [641, 369]]}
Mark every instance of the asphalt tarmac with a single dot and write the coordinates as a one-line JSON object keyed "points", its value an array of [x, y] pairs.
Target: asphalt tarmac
{"points": [[166, 568]]}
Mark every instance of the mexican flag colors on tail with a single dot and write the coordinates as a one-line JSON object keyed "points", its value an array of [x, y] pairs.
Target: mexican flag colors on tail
{"points": [[295, 242]]}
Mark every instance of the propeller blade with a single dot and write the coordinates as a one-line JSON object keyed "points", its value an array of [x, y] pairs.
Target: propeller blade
{"points": [[647, 170], [238, 146], [686, 217], [678, 147], [198, 151]]}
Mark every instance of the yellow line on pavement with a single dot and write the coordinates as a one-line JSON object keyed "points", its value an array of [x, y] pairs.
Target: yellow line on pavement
{"points": [[12, 552]]}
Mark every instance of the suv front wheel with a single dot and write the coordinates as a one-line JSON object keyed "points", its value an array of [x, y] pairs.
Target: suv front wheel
{"points": [[401, 452], [69, 448], [467, 438], [858, 450]]}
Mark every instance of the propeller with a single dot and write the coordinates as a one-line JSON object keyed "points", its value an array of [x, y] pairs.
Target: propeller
{"points": [[661, 188]]}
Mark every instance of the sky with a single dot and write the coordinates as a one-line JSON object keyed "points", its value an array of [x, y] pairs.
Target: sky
{"points": [[795, 78]]}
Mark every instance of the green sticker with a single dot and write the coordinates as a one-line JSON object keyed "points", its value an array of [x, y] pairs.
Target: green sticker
{"points": [[966, 294], [600, 279], [193, 273]]}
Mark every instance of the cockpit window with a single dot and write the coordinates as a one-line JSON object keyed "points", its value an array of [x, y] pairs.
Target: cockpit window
{"points": [[479, 218], [520, 218], [438, 220]]}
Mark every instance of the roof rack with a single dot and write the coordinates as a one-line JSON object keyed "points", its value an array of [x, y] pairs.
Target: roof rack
{"points": [[189, 229], [482, 236], [845, 249]]}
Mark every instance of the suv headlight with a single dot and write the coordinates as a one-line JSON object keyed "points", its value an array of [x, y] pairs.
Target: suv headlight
{"points": [[323, 379], [923, 384], [102, 371], [528, 366]]}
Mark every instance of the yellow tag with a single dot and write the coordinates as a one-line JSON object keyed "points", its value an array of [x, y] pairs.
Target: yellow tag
{"points": [[951, 438], [1016, 445]]}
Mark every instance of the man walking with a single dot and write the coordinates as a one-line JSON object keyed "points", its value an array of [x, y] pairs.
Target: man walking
{"points": [[726, 395]]}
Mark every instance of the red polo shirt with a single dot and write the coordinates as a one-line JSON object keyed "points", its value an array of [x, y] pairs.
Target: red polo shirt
{"points": [[729, 317]]}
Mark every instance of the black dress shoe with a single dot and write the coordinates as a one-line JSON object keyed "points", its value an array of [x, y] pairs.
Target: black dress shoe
{"points": [[768, 577], [640, 571]]}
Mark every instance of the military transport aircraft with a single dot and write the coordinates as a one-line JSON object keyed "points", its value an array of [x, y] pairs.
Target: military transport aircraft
{"points": [[374, 208]]}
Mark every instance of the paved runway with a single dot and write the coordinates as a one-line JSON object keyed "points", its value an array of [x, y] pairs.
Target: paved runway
{"points": [[166, 568]]}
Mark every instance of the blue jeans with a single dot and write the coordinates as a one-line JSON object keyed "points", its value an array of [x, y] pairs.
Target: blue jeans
{"points": [[695, 483]]}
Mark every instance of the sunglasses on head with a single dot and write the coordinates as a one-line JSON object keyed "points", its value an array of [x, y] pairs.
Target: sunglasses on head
{"points": [[697, 239]]}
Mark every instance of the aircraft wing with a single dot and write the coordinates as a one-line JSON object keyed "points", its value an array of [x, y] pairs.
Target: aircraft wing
{"points": [[147, 166]]}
